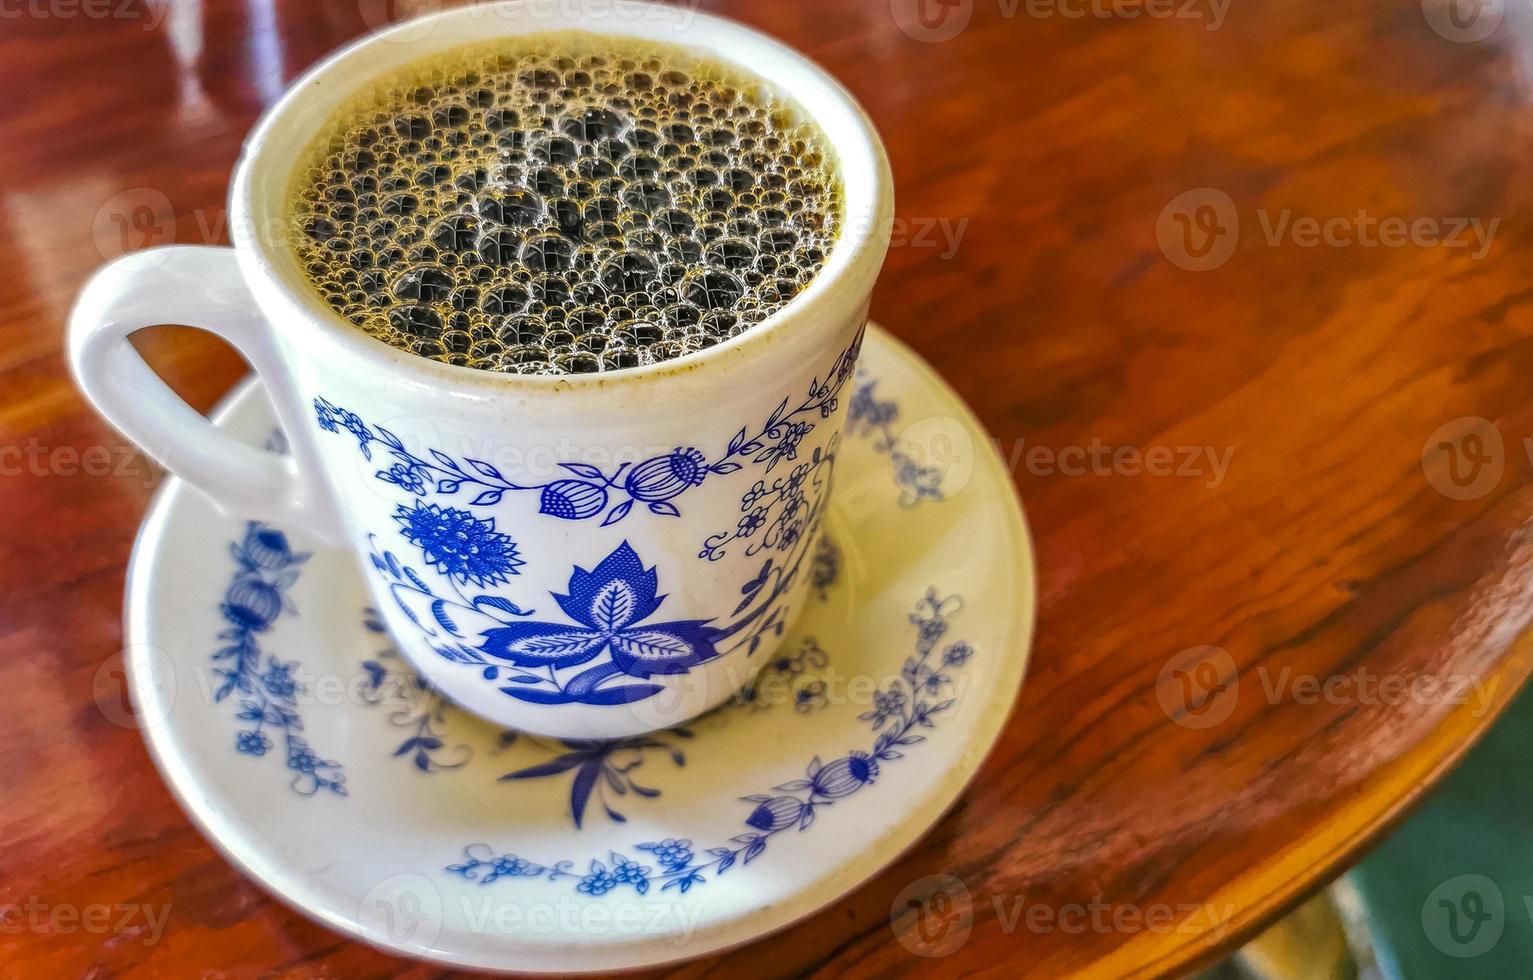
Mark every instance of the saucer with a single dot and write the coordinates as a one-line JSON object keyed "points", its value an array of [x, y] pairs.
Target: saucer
{"points": [[317, 762]]}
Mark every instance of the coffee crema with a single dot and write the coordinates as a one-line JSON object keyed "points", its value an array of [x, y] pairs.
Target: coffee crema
{"points": [[567, 203]]}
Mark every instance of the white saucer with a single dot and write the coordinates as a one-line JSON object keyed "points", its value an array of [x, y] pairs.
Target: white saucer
{"points": [[328, 775]]}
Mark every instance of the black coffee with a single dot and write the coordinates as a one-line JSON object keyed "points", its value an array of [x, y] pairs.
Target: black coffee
{"points": [[576, 204]]}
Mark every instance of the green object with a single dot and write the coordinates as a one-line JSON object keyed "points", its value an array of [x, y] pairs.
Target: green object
{"points": [[1450, 895]]}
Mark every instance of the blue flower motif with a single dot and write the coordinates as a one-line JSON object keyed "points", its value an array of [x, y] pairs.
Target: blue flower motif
{"points": [[809, 697], [252, 602], [598, 882], [868, 410], [301, 758], [845, 776], [886, 704], [324, 413], [752, 522], [791, 532], [776, 813], [333, 418], [267, 547], [406, 476], [869, 417], [826, 568], [279, 680], [957, 654], [630, 872], [609, 603], [664, 477], [252, 742], [572, 500], [931, 681], [670, 852], [787, 445], [510, 866], [932, 630], [265, 688], [357, 427], [458, 544]]}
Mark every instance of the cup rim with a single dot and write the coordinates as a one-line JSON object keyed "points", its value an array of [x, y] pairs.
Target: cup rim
{"points": [[837, 292]]}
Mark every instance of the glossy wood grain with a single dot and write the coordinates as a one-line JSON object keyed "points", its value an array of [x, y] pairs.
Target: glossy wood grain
{"points": [[1052, 288]]}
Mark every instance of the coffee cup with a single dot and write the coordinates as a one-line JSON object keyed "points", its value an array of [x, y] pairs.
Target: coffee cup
{"points": [[580, 556]]}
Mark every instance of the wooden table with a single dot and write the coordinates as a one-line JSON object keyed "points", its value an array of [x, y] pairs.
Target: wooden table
{"points": [[1267, 570]]}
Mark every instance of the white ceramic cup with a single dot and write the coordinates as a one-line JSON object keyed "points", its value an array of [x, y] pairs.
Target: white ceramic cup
{"points": [[588, 556]]}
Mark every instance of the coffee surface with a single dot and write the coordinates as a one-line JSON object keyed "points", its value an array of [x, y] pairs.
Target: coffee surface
{"points": [[569, 205]]}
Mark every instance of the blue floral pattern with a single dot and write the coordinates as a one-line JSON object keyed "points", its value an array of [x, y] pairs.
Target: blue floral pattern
{"points": [[906, 706], [603, 766], [868, 417], [776, 516], [589, 491], [418, 708], [266, 568], [609, 630], [609, 606], [437, 616], [599, 766], [826, 567], [458, 544], [789, 677]]}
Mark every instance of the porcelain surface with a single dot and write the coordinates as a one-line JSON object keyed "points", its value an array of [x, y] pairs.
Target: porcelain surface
{"points": [[311, 754]]}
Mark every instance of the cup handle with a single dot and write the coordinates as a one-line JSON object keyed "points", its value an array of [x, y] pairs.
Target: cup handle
{"points": [[202, 287]]}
